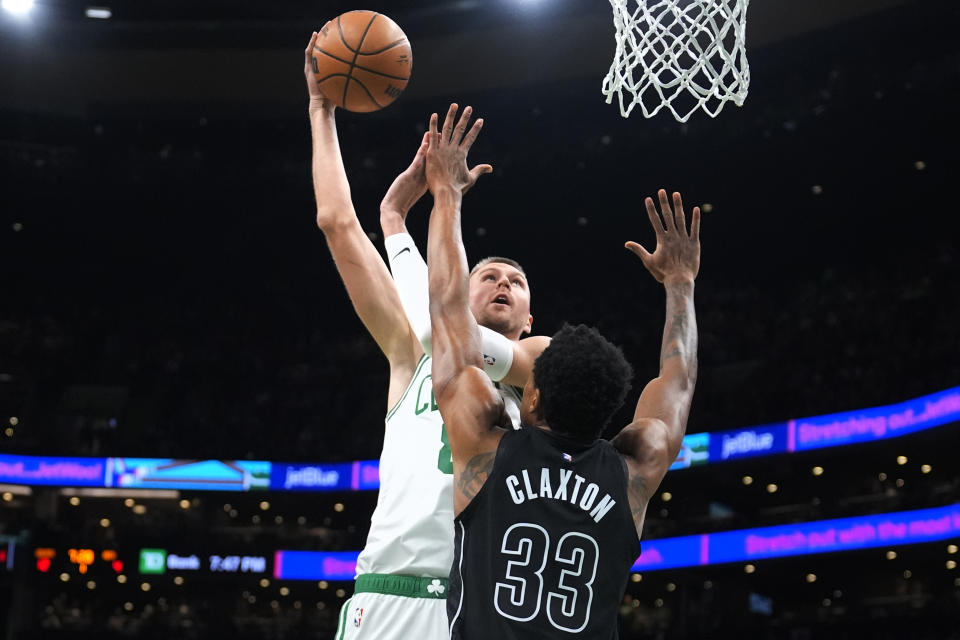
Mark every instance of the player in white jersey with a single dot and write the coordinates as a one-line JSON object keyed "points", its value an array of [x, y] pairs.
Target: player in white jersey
{"points": [[402, 572]]}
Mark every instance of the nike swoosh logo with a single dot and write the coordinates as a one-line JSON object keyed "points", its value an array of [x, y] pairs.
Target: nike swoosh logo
{"points": [[400, 252]]}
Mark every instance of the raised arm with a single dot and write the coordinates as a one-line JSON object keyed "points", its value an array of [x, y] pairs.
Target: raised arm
{"points": [[504, 359], [652, 441], [470, 406], [361, 268]]}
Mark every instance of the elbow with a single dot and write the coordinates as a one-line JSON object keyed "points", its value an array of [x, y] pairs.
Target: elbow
{"points": [[333, 219]]}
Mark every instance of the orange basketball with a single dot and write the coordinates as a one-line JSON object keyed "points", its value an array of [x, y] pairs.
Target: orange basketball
{"points": [[362, 61]]}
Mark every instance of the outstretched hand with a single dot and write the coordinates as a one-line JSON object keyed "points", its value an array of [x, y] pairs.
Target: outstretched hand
{"points": [[317, 99], [677, 255], [446, 158]]}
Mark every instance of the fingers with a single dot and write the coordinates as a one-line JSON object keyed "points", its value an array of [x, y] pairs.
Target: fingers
{"points": [[480, 169], [421, 153], [667, 211], [308, 55], [471, 136], [695, 225], [461, 127], [432, 132], [654, 216], [448, 122], [679, 216], [640, 252]]}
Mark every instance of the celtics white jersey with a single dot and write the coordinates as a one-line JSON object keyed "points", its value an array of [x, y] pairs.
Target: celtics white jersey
{"points": [[411, 530]]}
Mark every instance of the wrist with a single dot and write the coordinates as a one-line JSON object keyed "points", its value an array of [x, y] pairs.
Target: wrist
{"points": [[392, 221], [321, 106], [447, 194], [678, 279]]}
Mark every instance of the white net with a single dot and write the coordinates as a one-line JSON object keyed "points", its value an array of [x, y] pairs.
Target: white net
{"points": [[680, 54]]}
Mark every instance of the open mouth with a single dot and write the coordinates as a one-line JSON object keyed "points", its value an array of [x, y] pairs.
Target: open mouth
{"points": [[502, 299]]}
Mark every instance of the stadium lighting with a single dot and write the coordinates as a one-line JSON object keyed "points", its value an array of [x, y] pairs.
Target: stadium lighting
{"points": [[17, 7], [99, 13]]}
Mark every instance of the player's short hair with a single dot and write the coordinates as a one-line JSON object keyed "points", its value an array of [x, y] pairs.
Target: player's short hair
{"points": [[583, 379], [489, 259]]}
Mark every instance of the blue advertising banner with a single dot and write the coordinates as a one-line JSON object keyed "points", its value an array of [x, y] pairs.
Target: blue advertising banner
{"points": [[746, 443], [203, 475], [825, 536], [878, 423], [669, 553], [315, 565], [836, 429], [34, 470], [311, 477], [845, 534], [368, 475]]}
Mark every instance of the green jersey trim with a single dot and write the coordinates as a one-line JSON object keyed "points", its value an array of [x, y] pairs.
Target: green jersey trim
{"points": [[416, 372], [406, 586]]}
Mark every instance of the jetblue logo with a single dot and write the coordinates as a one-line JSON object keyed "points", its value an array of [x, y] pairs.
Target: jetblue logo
{"points": [[310, 477], [746, 442]]}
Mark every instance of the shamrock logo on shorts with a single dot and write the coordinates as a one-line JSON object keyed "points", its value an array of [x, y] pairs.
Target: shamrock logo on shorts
{"points": [[436, 587]]}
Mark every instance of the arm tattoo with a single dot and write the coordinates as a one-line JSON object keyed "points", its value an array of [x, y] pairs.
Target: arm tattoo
{"points": [[637, 495], [680, 334], [475, 473]]}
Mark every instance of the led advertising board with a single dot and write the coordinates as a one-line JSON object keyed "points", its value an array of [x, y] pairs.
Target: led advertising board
{"points": [[160, 561], [39, 470], [825, 536], [879, 423], [831, 430], [204, 475]]}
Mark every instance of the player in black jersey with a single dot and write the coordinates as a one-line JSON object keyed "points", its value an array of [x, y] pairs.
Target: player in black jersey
{"points": [[549, 517]]}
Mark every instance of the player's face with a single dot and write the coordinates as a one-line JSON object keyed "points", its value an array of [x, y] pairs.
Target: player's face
{"points": [[500, 299]]}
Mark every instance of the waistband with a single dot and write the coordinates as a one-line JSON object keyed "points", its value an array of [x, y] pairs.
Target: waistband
{"points": [[407, 586]]}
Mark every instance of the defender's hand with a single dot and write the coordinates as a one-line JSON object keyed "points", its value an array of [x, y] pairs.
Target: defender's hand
{"points": [[317, 99], [677, 256], [447, 152]]}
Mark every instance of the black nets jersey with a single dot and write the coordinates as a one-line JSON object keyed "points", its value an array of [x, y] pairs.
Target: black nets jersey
{"points": [[545, 547]]}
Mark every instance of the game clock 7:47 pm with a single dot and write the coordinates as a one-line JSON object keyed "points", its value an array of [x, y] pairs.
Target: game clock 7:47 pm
{"points": [[238, 564]]}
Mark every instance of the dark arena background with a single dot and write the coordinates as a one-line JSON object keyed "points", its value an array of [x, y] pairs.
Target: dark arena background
{"points": [[167, 299]]}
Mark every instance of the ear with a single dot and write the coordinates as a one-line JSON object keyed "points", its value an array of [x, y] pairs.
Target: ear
{"points": [[535, 403], [528, 327]]}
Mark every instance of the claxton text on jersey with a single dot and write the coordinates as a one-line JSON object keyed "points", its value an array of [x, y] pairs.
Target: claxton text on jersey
{"points": [[555, 484]]}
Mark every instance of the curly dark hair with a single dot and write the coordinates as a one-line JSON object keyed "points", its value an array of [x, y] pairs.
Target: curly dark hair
{"points": [[583, 379]]}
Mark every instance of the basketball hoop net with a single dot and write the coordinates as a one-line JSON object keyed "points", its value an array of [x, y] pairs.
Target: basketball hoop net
{"points": [[680, 54]]}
